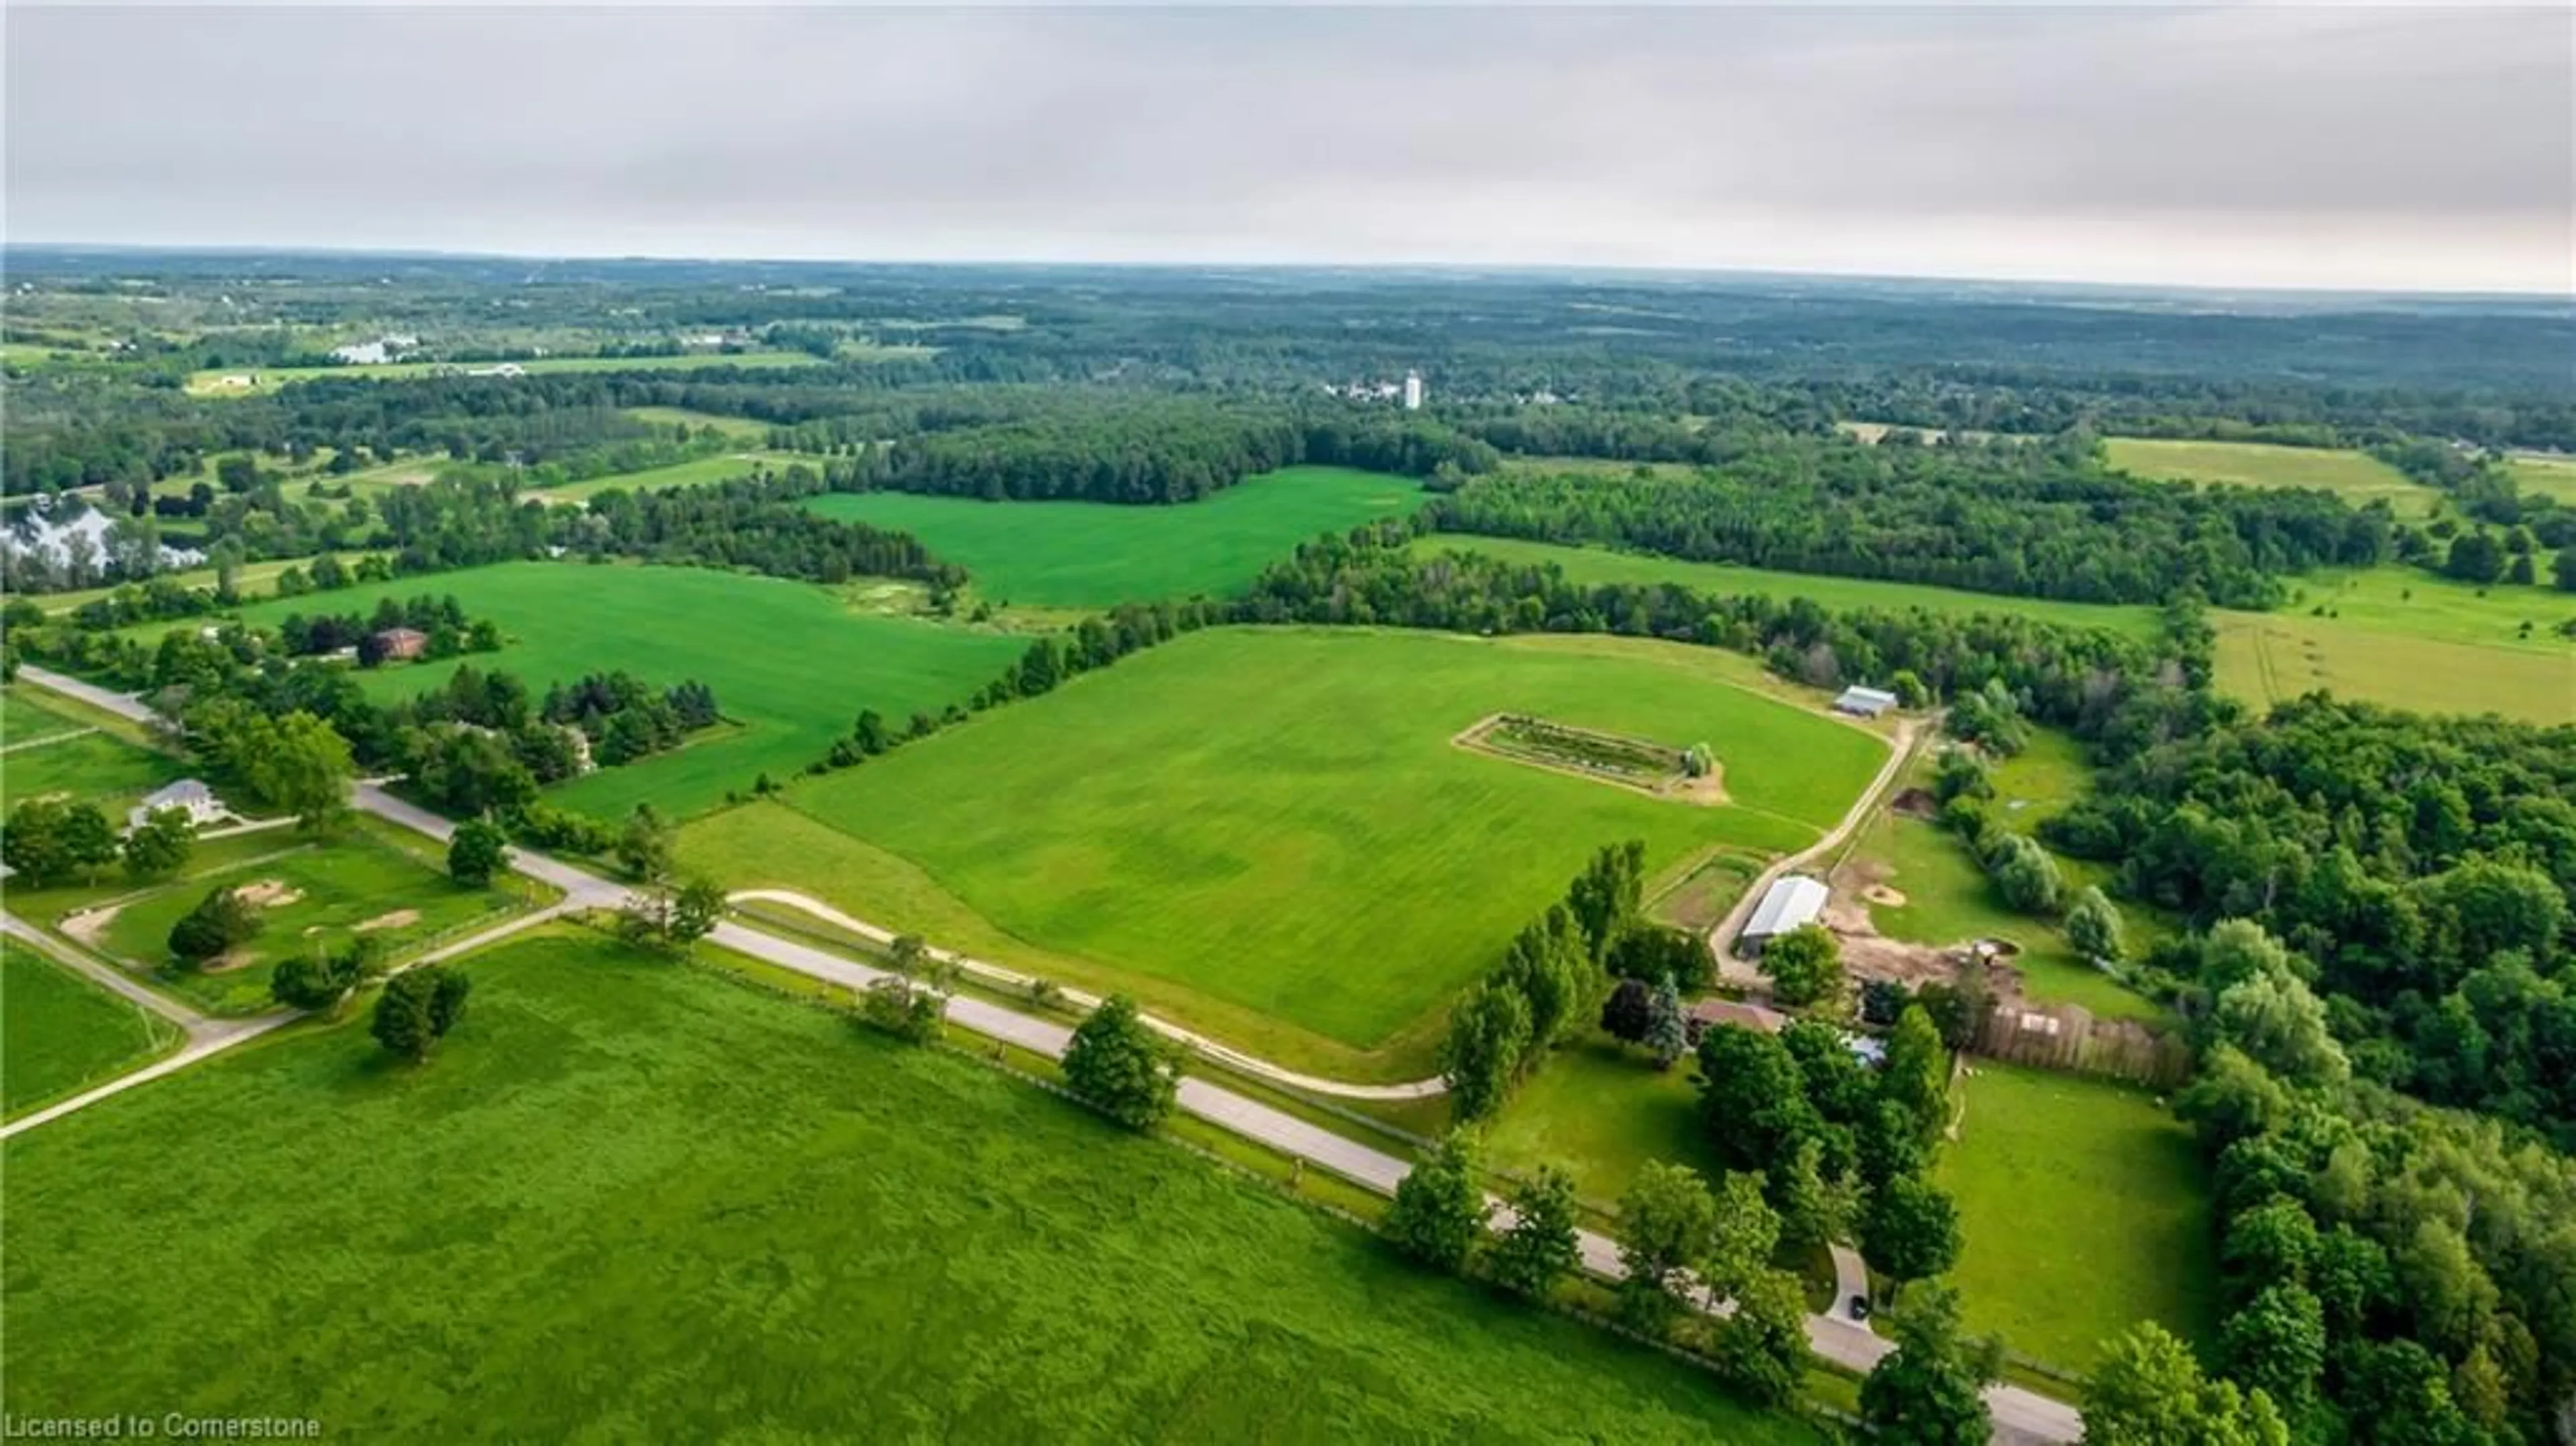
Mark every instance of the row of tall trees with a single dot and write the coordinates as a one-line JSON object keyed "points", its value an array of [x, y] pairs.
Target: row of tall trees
{"points": [[1549, 984]]}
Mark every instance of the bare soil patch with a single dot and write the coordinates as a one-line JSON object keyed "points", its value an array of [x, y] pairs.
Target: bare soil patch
{"points": [[1883, 896], [268, 894], [1914, 803], [89, 926], [396, 919], [1868, 954]]}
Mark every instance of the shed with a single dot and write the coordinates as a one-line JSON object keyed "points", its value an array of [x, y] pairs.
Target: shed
{"points": [[1724, 1013], [1792, 901], [1864, 702], [400, 645]]}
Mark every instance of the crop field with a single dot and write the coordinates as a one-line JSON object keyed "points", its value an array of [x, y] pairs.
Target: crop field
{"points": [[211, 383], [2083, 1208], [2406, 638], [1632, 762], [59, 1032], [1094, 554], [309, 897], [2548, 475], [255, 579], [625, 1192], [786, 659], [697, 472], [2355, 477], [1594, 565], [1278, 820], [744, 429]]}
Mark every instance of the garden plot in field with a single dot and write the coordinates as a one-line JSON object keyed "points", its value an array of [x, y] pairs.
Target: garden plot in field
{"points": [[1279, 821]]}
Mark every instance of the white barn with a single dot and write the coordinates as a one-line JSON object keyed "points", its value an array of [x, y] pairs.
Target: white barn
{"points": [[1793, 901], [1864, 702]]}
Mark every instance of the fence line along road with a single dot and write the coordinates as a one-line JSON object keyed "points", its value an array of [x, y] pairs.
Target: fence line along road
{"points": [[2022, 1417]]}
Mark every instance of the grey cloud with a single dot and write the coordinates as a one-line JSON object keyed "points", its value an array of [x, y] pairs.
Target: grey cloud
{"points": [[2272, 145]]}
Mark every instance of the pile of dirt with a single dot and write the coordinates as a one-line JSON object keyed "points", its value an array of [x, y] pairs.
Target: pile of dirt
{"points": [[90, 925], [1883, 896], [395, 920], [1914, 803]]}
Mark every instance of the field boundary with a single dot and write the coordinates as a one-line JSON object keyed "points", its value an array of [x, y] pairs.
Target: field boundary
{"points": [[1706, 790]]}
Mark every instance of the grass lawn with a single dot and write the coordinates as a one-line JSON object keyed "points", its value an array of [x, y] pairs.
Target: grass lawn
{"points": [[1603, 1112], [100, 767], [1594, 565], [2547, 474], [788, 660], [2084, 1209], [210, 383], [331, 890], [255, 579], [26, 719], [631, 1199], [1093, 554], [1699, 900], [697, 472], [2407, 638], [2355, 477], [1278, 819], [59, 1032]]}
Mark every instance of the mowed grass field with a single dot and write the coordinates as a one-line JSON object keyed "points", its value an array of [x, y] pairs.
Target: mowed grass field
{"points": [[697, 472], [2356, 477], [628, 1198], [325, 894], [744, 429], [59, 1032], [1594, 566], [788, 660], [210, 383], [1603, 1113], [54, 757], [1278, 820], [1094, 554], [2409, 639], [2083, 1208]]}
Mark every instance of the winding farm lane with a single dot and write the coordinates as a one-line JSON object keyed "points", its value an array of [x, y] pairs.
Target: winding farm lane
{"points": [[2021, 1417]]}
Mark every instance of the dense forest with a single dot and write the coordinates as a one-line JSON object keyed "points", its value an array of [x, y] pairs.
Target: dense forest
{"points": [[2032, 520]]}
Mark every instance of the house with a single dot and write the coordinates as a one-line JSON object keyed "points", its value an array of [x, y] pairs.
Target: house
{"points": [[361, 354], [1707, 1014], [1864, 702], [188, 795], [400, 645], [1793, 901]]}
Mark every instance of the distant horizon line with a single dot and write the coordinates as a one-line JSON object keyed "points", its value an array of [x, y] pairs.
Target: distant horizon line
{"points": [[1540, 268]]}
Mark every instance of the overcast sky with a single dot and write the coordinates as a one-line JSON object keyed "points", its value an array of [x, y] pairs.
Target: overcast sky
{"points": [[2430, 148]]}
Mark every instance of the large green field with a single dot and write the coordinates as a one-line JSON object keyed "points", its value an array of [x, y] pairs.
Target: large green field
{"points": [[1093, 554], [59, 1032], [56, 757], [2357, 478], [2409, 639], [213, 383], [2547, 474], [1279, 821], [1594, 565], [697, 472], [788, 660], [630, 1200], [2083, 1208]]}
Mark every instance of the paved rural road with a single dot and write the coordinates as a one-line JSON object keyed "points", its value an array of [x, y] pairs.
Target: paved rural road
{"points": [[1222, 1053], [2020, 1416], [1908, 733]]}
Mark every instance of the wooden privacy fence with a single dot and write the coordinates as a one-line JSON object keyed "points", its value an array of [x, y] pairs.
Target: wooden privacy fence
{"points": [[2068, 1037]]}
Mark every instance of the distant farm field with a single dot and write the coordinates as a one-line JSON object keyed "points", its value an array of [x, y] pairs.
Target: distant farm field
{"points": [[1093, 554], [2358, 478], [697, 472], [59, 1032], [1279, 820], [2084, 1208], [2406, 638], [1595, 566], [2547, 474], [217, 381], [740, 428], [788, 660], [626, 1192]]}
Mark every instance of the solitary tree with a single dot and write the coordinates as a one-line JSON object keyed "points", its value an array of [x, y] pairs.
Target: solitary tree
{"points": [[2093, 926], [1538, 1248], [1929, 1390], [1439, 1213], [1629, 1011], [478, 851], [323, 981], [1804, 965], [695, 912], [644, 849], [1118, 1062], [220, 921], [1667, 1028], [417, 1009], [2024, 873]]}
